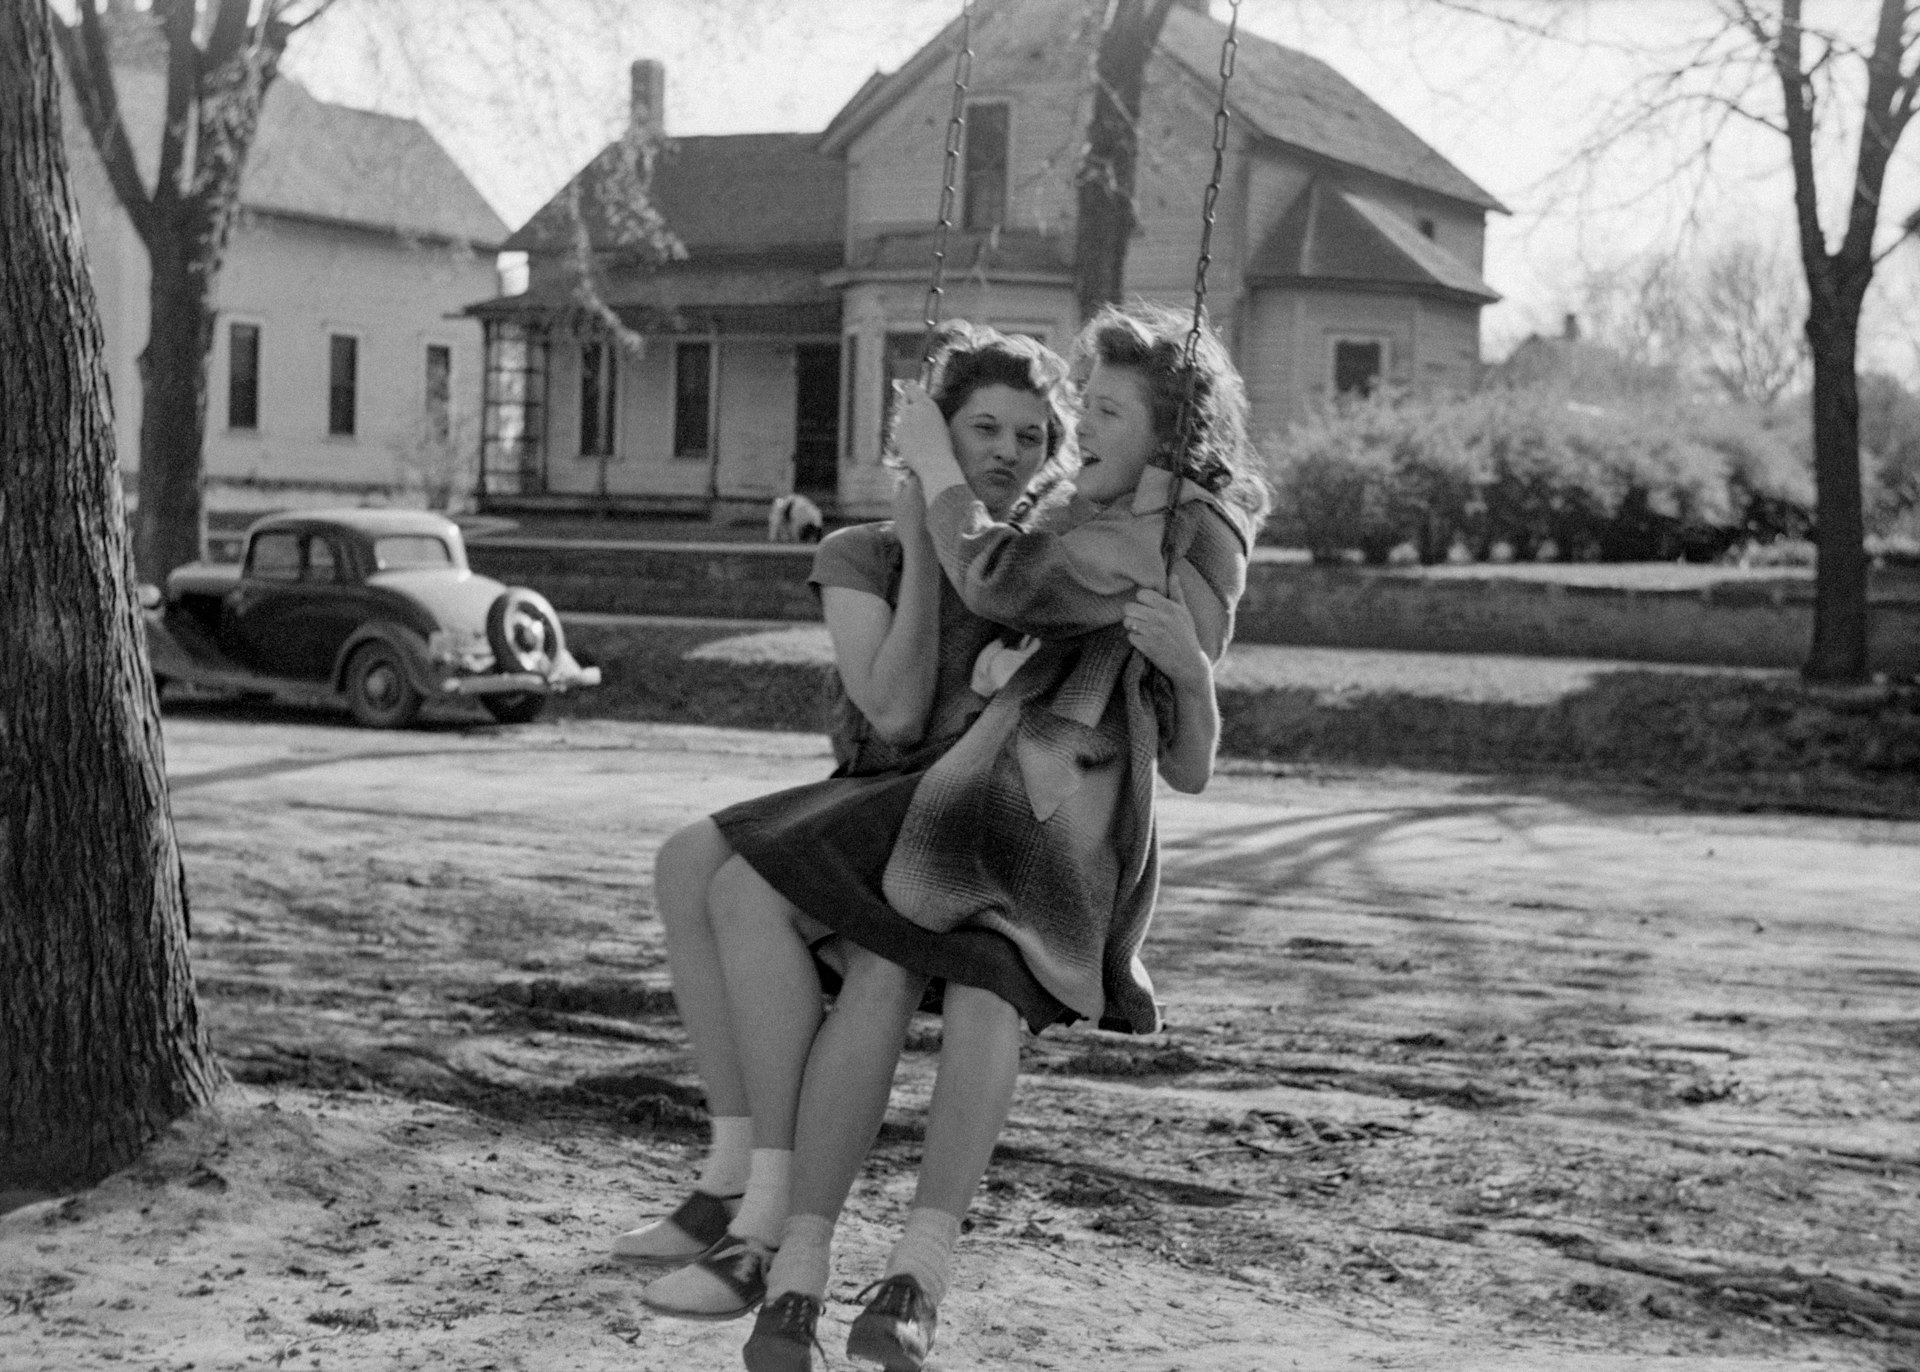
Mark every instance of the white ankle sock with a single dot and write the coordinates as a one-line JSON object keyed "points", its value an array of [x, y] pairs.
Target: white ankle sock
{"points": [[805, 1260], [728, 1156], [925, 1250], [763, 1212]]}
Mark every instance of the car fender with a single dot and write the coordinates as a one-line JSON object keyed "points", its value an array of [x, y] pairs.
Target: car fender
{"points": [[409, 644]]}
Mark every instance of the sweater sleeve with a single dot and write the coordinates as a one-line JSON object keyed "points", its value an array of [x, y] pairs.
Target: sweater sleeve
{"points": [[1053, 584]]}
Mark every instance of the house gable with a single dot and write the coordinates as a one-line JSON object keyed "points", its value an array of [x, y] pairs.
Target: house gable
{"points": [[1332, 236]]}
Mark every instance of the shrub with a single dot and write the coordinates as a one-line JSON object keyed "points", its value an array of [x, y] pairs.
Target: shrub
{"points": [[1537, 473]]}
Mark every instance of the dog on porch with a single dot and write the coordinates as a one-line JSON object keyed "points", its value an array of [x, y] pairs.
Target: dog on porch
{"points": [[794, 519]]}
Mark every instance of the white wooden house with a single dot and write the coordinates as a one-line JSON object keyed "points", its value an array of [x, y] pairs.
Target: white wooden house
{"points": [[1346, 252], [342, 370]]}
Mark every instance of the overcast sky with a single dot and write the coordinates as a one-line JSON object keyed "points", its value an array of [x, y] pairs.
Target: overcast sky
{"points": [[523, 91]]}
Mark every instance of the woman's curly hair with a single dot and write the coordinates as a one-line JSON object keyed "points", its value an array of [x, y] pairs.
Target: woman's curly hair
{"points": [[970, 357], [1152, 340]]}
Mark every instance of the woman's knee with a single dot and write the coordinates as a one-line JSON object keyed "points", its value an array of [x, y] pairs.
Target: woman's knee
{"points": [[971, 1008], [684, 867], [873, 981]]}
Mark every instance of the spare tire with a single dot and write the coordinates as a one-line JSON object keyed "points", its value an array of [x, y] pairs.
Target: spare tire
{"points": [[523, 632]]}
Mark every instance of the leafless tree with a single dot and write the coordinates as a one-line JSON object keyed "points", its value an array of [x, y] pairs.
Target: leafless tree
{"points": [[221, 56], [1849, 78], [1103, 228], [1749, 323], [100, 1038]]}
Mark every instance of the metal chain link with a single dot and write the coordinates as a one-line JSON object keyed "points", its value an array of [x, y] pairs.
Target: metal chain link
{"points": [[1222, 118], [956, 130]]}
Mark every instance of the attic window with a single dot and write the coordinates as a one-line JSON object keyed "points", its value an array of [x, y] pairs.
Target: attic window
{"points": [[1428, 229], [985, 185]]}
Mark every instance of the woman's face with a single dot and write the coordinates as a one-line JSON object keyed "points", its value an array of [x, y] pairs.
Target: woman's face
{"points": [[1000, 440], [1115, 433]]}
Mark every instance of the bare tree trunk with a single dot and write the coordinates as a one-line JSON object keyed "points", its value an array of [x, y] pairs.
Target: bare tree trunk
{"points": [[1840, 610], [1105, 222], [100, 1037], [170, 524], [221, 58]]}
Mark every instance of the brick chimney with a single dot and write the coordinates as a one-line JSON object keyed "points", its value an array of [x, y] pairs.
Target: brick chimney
{"points": [[649, 97]]}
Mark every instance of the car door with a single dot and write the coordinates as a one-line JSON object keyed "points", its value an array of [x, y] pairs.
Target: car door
{"points": [[257, 610], [330, 608], [292, 610]]}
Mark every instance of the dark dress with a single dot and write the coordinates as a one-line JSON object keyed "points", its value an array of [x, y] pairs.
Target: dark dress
{"points": [[825, 846]]}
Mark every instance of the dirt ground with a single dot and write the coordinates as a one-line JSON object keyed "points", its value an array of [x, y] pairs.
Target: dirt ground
{"points": [[1458, 1074]]}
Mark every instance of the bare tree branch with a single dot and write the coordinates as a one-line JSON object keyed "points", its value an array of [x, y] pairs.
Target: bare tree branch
{"points": [[90, 69]]}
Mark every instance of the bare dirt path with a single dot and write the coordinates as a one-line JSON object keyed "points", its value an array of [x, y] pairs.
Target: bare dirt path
{"points": [[1457, 1075]]}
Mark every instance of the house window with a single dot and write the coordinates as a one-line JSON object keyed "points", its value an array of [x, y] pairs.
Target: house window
{"points": [[597, 383], [901, 363], [1358, 365], [692, 389], [439, 392], [243, 376], [343, 383], [984, 204]]}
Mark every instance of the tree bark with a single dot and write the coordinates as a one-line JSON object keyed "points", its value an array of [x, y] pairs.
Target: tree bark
{"points": [[215, 87], [100, 1037], [1105, 220], [1840, 609]]}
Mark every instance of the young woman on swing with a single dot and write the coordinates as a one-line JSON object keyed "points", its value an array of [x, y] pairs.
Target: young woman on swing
{"points": [[905, 648], [1022, 867]]}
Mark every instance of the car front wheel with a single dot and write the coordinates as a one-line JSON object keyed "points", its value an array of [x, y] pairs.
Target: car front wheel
{"points": [[378, 691], [519, 707]]}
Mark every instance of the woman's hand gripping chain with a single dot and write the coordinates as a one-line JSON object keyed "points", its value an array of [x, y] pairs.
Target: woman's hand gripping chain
{"points": [[1162, 629]]}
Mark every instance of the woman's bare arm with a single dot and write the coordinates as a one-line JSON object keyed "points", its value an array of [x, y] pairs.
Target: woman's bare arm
{"points": [[888, 656]]}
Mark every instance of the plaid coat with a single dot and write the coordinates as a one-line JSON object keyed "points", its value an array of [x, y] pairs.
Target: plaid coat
{"points": [[1039, 823]]}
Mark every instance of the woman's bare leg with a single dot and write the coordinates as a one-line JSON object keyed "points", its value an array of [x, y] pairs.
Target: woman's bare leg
{"points": [[682, 872], [979, 1063], [843, 1098], [682, 875]]}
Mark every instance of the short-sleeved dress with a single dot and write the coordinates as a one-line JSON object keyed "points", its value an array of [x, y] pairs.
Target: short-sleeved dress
{"points": [[825, 845]]}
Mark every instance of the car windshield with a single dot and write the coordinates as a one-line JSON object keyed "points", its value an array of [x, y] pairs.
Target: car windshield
{"points": [[410, 550]]}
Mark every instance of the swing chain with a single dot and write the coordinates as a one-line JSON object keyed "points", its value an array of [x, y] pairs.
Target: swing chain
{"points": [[1221, 119], [1229, 50], [956, 130]]}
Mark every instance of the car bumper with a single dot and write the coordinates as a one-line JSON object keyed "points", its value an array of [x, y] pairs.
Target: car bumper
{"points": [[567, 675]]}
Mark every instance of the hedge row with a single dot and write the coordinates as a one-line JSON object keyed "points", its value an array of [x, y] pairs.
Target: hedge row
{"points": [[1532, 474]]}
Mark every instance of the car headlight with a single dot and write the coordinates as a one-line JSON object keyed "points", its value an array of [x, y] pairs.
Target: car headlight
{"points": [[452, 648]]}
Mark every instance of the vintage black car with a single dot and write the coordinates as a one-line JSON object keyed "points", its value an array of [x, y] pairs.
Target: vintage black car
{"points": [[376, 608]]}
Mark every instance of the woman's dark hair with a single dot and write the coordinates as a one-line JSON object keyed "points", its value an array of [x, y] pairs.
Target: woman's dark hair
{"points": [[1152, 341], [970, 357]]}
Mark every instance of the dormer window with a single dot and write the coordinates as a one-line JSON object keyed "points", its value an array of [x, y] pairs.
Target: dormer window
{"points": [[984, 187]]}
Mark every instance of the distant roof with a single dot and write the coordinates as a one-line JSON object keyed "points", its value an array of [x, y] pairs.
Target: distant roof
{"points": [[1333, 236], [1302, 102], [743, 193], [316, 160], [1282, 94]]}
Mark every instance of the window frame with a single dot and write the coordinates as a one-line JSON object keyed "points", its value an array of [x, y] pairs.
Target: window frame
{"points": [[234, 325], [605, 412], [439, 424], [336, 336], [970, 221], [682, 412]]}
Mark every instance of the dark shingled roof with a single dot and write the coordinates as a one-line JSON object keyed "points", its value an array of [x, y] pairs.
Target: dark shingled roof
{"points": [[750, 194], [1302, 102], [315, 160], [1329, 236]]}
